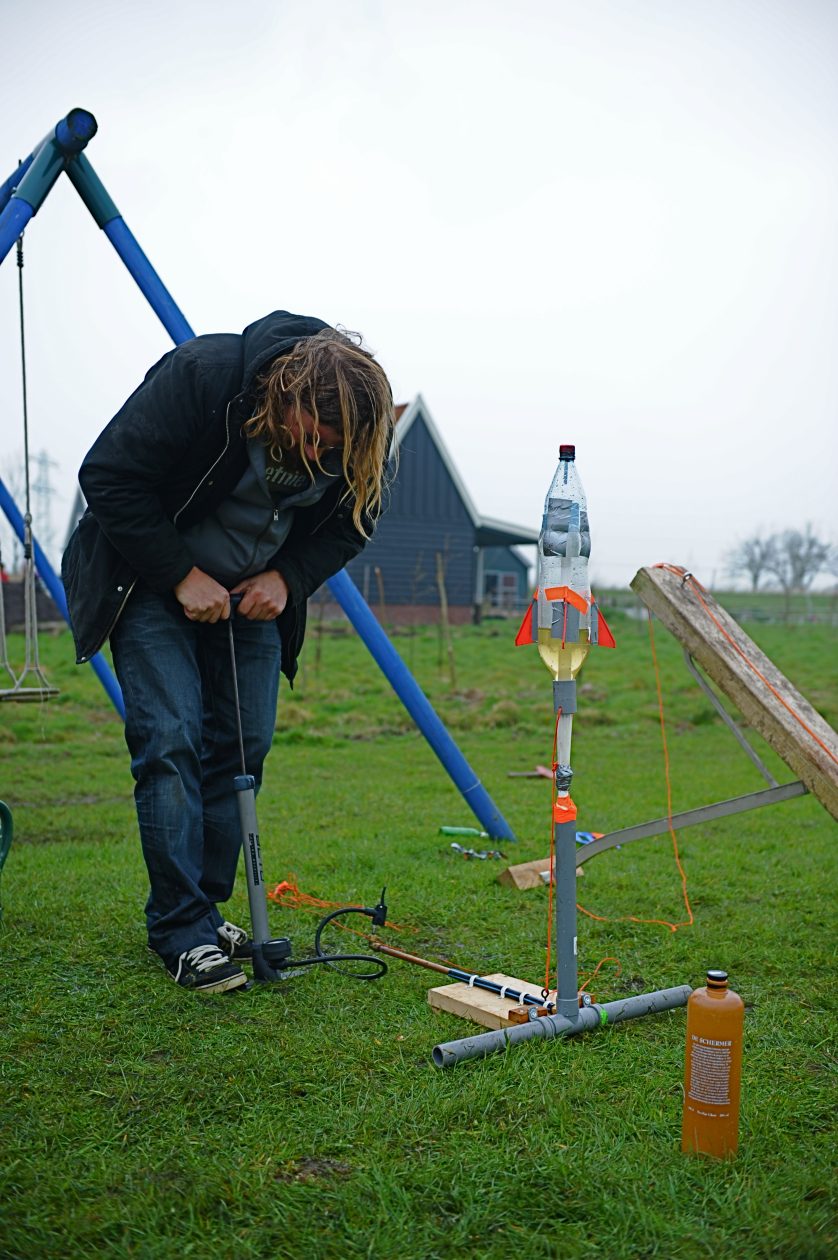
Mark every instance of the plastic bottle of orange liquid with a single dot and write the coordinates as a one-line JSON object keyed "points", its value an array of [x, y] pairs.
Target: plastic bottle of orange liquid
{"points": [[713, 1069]]}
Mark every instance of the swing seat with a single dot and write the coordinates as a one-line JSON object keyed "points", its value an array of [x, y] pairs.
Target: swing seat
{"points": [[32, 683], [29, 693]]}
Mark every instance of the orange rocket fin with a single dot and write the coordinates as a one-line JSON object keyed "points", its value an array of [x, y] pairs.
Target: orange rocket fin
{"points": [[524, 635], [604, 636]]}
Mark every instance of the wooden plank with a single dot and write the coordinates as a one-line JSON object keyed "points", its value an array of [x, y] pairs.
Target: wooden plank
{"points": [[488, 1009], [529, 874], [712, 638]]}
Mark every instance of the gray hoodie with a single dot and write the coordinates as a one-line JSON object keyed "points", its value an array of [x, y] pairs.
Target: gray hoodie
{"points": [[247, 529]]}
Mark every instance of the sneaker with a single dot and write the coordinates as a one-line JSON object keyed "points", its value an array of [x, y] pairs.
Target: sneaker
{"points": [[207, 970], [235, 942]]}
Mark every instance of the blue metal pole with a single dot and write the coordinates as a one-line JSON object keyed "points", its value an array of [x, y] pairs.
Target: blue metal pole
{"points": [[72, 134], [418, 706], [14, 179], [23, 193], [100, 204], [12, 222], [151, 286], [53, 584]]}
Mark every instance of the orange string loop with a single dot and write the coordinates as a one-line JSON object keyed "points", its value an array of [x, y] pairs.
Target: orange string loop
{"points": [[601, 963], [288, 893]]}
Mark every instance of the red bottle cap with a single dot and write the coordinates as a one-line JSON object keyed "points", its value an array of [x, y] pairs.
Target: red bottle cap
{"points": [[567, 452]]}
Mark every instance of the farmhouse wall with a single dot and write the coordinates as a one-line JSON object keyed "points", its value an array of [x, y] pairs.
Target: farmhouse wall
{"points": [[425, 515]]}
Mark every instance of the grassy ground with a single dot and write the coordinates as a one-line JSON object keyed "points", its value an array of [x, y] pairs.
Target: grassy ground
{"points": [[307, 1121]]}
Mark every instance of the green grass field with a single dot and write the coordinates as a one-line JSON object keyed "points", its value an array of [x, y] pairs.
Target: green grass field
{"points": [[308, 1120]]}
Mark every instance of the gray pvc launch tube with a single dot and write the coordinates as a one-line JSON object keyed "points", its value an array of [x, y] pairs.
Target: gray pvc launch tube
{"points": [[548, 1026], [567, 975], [564, 848]]}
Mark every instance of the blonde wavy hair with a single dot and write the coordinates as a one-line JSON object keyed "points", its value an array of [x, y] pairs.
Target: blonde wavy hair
{"points": [[342, 386]]}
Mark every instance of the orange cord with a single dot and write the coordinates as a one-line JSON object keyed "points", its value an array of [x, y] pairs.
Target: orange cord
{"points": [[288, 893], [630, 918], [696, 586], [618, 972]]}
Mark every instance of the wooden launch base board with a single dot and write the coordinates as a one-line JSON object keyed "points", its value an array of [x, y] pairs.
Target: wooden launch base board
{"points": [[481, 1007], [530, 874]]}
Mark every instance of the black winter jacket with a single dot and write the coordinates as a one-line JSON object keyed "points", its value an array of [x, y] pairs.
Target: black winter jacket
{"points": [[167, 459]]}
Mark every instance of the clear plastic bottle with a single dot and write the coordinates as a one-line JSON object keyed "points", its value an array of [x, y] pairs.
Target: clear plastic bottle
{"points": [[713, 1069], [564, 547], [562, 662]]}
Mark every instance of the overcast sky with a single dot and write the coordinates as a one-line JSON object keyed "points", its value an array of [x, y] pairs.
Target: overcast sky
{"points": [[608, 222]]}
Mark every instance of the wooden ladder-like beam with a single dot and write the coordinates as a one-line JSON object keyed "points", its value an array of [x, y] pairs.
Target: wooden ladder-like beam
{"points": [[723, 650]]}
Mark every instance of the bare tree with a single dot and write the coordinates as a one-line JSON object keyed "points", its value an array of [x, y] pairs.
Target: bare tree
{"points": [[752, 557], [797, 559]]}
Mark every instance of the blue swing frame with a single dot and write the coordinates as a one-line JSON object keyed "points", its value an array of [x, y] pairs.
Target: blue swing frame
{"points": [[21, 196]]}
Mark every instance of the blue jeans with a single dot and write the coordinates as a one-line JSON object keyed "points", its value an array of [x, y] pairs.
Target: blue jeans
{"points": [[180, 727]]}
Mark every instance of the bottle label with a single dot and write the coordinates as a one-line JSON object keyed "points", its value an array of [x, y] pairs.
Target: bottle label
{"points": [[710, 1071]]}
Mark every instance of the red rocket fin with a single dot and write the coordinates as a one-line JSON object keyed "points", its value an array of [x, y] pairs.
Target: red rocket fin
{"points": [[524, 635], [604, 636]]}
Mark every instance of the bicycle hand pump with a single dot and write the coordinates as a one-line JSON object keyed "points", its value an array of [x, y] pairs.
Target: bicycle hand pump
{"points": [[269, 953]]}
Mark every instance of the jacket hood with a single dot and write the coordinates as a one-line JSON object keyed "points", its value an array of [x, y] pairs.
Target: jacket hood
{"points": [[271, 336]]}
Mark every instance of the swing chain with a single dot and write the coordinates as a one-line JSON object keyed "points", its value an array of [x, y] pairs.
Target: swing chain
{"points": [[31, 684]]}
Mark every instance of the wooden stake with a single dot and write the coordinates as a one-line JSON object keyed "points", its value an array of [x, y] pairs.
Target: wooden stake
{"points": [[529, 874], [443, 616]]}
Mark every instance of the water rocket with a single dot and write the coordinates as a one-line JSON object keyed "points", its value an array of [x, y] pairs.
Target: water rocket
{"points": [[563, 620], [563, 610]]}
